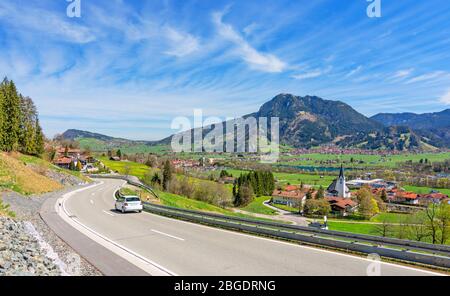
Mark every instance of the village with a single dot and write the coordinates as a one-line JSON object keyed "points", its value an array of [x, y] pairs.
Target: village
{"points": [[341, 195]]}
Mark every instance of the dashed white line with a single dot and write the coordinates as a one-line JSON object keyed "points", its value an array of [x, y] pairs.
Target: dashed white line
{"points": [[91, 201], [172, 236], [108, 213]]}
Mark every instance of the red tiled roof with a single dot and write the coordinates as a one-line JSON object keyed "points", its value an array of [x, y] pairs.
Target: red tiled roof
{"points": [[289, 194], [407, 195], [434, 196], [291, 188], [63, 160], [341, 202]]}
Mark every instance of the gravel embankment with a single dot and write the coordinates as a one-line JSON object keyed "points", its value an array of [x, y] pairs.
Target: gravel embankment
{"points": [[30, 224], [20, 252]]}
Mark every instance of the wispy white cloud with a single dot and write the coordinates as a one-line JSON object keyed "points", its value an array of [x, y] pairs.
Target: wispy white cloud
{"points": [[428, 76], [258, 60], [312, 74], [41, 20], [445, 98], [354, 71], [402, 73], [181, 44], [250, 29]]}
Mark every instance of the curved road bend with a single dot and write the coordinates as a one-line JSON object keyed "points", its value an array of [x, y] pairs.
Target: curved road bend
{"points": [[189, 249]]}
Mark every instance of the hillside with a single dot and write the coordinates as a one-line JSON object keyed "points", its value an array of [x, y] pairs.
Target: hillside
{"points": [[434, 128], [31, 175], [16, 176], [102, 143]]}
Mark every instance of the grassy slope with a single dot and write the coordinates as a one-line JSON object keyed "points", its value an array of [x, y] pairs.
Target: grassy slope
{"points": [[16, 176], [257, 206], [101, 146]]}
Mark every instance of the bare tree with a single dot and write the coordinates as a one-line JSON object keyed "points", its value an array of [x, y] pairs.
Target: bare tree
{"points": [[417, 229], [385, 228], [443, 221], [432, 223]]}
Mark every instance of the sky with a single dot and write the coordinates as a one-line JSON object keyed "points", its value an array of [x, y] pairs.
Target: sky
{"points": [[128, 68]]}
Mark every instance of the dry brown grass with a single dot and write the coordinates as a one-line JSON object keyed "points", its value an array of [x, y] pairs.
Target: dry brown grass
{"points": [[15, 175]]}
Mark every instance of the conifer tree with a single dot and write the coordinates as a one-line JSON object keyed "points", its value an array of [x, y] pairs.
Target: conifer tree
{"points": [[10, 124]]}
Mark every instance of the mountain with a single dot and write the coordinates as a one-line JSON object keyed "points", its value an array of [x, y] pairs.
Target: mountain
{"points": [[434, 128], [425, 121], [73, 134], [311, 121], [102, 143]]}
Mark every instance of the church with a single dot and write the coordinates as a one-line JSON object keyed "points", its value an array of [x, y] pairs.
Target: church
{"points": [[338, 188]]}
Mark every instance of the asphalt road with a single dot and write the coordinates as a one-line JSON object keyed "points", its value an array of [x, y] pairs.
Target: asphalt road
{"points": [[185, 248]]}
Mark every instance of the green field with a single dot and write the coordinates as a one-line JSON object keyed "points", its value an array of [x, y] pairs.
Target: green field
{"points": [[424, 190], [132, 148], [136, 169], [332, 160], [257, 206], [390, 217], [295, 178], [362, 228]]}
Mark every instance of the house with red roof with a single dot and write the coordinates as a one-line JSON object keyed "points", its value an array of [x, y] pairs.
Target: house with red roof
{"points": [[342, 206]]}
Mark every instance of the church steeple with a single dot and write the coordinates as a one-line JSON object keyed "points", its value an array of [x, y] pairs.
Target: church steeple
{"points": [[341, 172]]}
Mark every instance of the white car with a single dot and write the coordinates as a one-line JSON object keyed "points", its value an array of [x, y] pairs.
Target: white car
{"points": [[129, 204]]}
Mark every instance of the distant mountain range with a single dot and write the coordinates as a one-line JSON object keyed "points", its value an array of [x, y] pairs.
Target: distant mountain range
{"points": [[434, 128], [312, 121]]}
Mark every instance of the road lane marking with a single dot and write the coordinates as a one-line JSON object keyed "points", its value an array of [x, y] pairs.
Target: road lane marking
{"points": [[134, 258], [108, 213], [93, 193], [296, 245], [172, 236], [92, 202]]}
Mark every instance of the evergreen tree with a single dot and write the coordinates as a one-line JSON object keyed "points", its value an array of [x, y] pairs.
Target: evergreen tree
{"points": [[167, 174], [119, 153], [10, 124]]}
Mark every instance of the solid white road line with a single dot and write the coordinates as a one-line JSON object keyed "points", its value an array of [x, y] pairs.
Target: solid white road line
{"points": [[140, 261], [172, 236], [108, 213]]}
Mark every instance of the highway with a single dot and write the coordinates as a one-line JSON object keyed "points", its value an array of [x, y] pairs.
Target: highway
{"points": [[181, 248]]}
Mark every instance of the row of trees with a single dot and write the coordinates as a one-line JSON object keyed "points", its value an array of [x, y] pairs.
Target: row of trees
{"points": [[429, 225], [19, 123], [259, 183]]}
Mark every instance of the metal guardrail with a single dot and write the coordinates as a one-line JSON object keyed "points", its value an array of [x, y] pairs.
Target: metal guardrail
{"points": [[419, 252], [250, 226], [362, 237], [125, 178]]}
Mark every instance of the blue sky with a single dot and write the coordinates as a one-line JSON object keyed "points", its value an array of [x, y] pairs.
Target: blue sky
{"points": [[127, 68]]}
